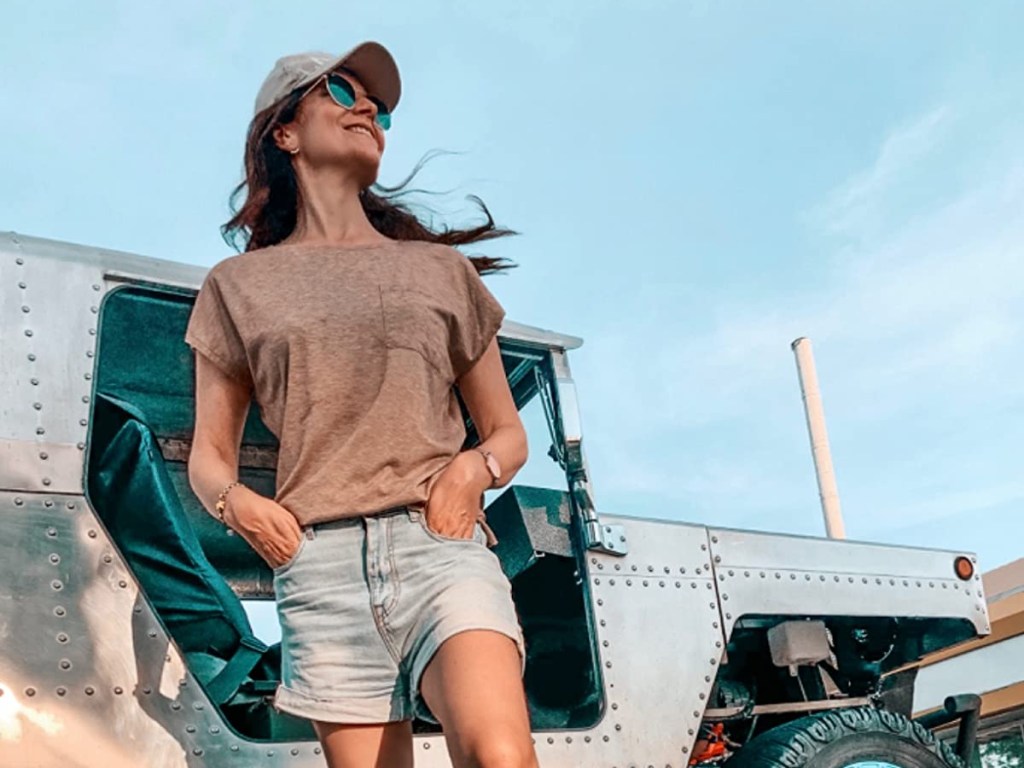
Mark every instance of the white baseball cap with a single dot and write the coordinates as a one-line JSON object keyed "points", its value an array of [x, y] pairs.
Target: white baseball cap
{"points": [[370, 61]]}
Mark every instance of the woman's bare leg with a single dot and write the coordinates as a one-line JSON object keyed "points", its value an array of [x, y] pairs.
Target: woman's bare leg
{"points": [[380, 745], [474, 687]]}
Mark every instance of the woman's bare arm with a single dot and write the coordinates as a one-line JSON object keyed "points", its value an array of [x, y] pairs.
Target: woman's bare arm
{"points": [[222, 403], [454, 502]]}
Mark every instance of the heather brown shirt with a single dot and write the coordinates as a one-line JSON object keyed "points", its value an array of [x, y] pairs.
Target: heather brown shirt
{"points": [[351, 354]]}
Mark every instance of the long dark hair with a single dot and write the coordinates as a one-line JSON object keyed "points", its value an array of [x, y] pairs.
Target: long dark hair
{"points": [[270, 206]]}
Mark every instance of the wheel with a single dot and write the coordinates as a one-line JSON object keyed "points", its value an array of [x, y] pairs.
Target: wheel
{"points": [[859, 737]]}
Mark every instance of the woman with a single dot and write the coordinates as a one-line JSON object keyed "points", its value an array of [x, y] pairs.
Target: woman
{"points": [[351, 324]]}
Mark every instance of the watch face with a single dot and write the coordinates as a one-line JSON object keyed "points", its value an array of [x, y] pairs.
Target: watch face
{"points": [[493, 466]]}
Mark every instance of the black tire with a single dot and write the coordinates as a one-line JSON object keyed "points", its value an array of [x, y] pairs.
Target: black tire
{"points": [[843, 738]]}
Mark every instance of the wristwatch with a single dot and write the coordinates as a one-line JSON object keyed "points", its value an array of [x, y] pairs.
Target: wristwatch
{"points": [[492, 465]]}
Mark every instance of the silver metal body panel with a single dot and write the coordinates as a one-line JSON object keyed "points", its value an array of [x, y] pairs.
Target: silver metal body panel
{"points": [[769, 574]]}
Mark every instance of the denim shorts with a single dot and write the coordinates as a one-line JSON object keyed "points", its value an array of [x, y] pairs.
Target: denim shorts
{"points": [[365, 602]]}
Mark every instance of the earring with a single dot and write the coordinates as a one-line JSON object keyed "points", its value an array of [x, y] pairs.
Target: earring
{"points": [[294, 151]]}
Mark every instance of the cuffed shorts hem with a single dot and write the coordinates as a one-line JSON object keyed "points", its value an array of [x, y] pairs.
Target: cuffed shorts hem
{"points": [[348, 711], [433, 643]]}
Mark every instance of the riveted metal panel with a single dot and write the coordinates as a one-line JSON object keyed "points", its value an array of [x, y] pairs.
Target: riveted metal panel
{"points": [[759, 573], [660, 644]]}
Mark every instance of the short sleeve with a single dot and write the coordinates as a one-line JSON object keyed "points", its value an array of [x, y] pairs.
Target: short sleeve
{"points": [[478, 318], [212, 331]]}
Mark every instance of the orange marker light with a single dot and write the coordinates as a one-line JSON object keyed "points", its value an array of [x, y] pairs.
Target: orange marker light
{"points": [[964, 568]]}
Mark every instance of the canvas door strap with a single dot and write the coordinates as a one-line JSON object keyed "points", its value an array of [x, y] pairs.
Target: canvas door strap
{"points": [[228, 680]]}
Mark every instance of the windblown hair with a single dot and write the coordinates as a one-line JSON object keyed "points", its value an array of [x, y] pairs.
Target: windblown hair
{"points": [[270, 199]]}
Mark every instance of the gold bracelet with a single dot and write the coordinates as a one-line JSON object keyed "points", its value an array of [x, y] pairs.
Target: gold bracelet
{"points": [[222, 499]]}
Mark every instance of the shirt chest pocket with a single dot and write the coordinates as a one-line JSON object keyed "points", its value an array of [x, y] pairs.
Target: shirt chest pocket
{"points": [[419, 321]]}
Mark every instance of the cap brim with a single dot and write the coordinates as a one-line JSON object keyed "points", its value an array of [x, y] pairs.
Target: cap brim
{"points": [[373, 64]]}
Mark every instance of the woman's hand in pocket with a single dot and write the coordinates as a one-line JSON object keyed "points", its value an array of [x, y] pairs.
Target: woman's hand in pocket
{"points": [[455, 497], [268, 527]]}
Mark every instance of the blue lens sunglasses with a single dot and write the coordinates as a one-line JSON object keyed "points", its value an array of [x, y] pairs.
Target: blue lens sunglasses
{"points": [[344, 95]]}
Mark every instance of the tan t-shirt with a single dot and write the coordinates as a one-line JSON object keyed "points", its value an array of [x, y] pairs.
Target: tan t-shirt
{"points": [[351, 354]]}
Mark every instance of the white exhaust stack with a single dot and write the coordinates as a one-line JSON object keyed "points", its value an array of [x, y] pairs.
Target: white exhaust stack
{"points": [[819, 439]]}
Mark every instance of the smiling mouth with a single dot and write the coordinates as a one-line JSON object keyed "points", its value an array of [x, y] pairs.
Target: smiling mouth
{"points": [[362, 129]]}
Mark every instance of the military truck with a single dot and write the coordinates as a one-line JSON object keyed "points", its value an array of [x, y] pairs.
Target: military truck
{"points": [[651, 643]]}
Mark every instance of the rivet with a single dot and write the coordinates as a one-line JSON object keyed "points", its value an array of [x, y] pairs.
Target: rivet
{"points": [[30, 691], [48, 503], [88, 353], [632, 568], [54, 558], [152, 633], [108, 558], [198, 705], [88, 376], [693, 584], [807, 577], [600, 601], [667, 569], [59, 611], [46, 481], [122, 583], [605, 643], [551, 739], [615, 706], [682, 570], [703, 547], [62, 637], [92, 331], [728, 616], [70, 505], [89, 690], [147, 690], [603, 622], [85, 398], [57, 584], [175, 705], [778, 575], [679, 584], [597, 581], [34, 381], [197, 751], [92, 534], [61, 690], [28, 331], [65, 664], [295, 751], [608, 664], [618, 567], [234, 747], [661, 583], [190, 728], [611, 582], [37, 406], [629, 582], [645, 582], [650, 569], [22, 284], [718, 558], [118, 690], [586, 739], [618, 726], [95, 286], [600, 566], [19, 261], [18, 501], [83, 422], [94, 310], [605, 738]]}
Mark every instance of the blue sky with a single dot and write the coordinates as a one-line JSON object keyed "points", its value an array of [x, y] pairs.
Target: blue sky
{"points": [[697, 185]]}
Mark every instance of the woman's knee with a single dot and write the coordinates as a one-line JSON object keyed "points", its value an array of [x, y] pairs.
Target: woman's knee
{"points": [[497, 751]]}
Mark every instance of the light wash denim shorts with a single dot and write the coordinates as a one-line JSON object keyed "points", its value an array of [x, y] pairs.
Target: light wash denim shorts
{"points": [[364, 604]]}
